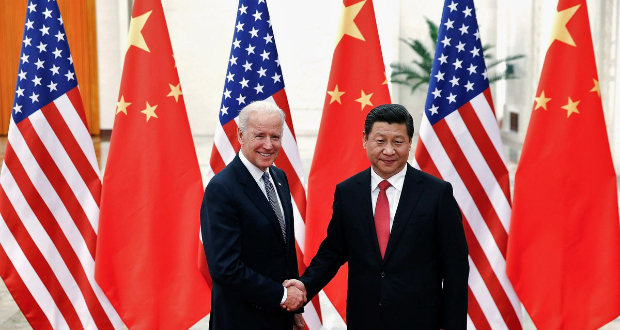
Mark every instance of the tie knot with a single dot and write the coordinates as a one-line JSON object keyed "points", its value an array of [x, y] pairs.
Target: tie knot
{"points": [[383, 185], [266, 175]]}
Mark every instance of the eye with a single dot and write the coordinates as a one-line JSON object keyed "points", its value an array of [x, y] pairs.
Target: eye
{"points": [[380, 141], [398, 143]]}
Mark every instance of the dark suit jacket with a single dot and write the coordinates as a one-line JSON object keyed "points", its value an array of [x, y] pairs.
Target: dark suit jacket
{"points": [[426, 247], [246, 253]]}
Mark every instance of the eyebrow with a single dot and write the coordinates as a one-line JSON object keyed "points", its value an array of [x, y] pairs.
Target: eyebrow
{"points": [[399, 136], [264, 133]]}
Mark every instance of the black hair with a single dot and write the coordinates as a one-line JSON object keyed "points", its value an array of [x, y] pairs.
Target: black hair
{"points": [[391, 114]]}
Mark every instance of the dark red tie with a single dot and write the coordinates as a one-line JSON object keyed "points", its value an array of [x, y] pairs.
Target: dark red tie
{"points": [[382, 217]]}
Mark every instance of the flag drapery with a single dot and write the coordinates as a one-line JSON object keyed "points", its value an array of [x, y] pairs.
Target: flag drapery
{"points": [[50, 187], [152, 189], [254, 74], [357, 83], [460, 142], [564, 243]]}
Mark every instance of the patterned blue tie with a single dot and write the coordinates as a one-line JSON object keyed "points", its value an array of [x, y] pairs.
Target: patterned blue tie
{"points": [[273, 200]]}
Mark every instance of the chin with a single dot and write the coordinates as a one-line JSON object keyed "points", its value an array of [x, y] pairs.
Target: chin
{"points": [[266, 165], [388, 171]]}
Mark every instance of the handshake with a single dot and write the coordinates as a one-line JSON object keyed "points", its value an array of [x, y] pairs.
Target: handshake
{"points": [[295, 295]]}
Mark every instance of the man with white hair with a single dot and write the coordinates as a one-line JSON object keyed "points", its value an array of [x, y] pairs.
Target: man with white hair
{"points": [[247, 227]]}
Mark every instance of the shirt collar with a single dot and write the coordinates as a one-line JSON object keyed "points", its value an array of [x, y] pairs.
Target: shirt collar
{"points": [[256, 172], [397, 180]]}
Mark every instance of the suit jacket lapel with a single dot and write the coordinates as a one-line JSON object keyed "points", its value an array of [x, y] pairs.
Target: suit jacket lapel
{"points": [[285, 197], [412, 189], [366, 215], [255, 194]]}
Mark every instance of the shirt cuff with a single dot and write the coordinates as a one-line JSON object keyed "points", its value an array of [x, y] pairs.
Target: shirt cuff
{"points": [[284, 296]]}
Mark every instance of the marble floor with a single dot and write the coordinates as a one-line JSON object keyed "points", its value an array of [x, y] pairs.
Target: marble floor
{"points": [[12, 319]]}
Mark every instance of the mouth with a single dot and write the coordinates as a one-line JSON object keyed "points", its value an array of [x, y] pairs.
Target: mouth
{"points": [[264, 154], [388, 161]]}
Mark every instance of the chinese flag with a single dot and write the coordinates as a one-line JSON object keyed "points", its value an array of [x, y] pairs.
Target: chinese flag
{"points": [[357, 83], [564, 243], [152, 189]]}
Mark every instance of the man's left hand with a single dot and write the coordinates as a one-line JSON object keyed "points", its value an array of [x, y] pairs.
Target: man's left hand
{"points": [[299, 322]]}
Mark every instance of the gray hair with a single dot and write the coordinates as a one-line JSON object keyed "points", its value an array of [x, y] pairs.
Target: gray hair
{"points": [[265, 107]]}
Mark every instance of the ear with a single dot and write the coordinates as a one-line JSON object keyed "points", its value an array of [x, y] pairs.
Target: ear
{"points": [[364, 139], [239, 136]]}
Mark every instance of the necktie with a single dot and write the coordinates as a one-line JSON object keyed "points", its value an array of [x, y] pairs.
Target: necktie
{"points": [[273, 200], [382, 217]]}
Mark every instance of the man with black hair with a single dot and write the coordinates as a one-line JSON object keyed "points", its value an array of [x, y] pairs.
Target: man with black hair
{"points": [[401, 232]]}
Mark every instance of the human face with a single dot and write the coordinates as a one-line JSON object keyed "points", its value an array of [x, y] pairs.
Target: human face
{"points": [[387, 147], [262, 139]]}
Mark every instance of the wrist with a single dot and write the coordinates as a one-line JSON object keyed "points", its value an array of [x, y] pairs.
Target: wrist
{"points": [[284, 296]]}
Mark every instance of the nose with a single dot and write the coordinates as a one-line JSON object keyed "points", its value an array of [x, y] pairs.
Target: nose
{"points": [[388, 150], [268, 144]]}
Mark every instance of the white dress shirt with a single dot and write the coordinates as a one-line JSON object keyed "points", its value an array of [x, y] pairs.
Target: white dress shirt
{"points": [[257, 174], [392, 192]]}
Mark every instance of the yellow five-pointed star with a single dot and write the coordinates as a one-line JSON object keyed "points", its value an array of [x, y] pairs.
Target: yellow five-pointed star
{"points": [[175, 91], [135, 37], [347, 25], [571, 107], [149, 111], [559, 31], [596, 88], [541, 101], [365, 100], [121, 106], [335, 94]]}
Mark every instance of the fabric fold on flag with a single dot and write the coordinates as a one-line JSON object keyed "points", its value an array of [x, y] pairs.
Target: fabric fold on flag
{"points": [[564, 243], [50, 187], [357, 83], [152, 189], [254, 74], [460, 142]]}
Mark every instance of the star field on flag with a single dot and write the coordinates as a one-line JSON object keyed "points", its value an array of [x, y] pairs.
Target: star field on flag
{"points": [[459, 72], [254, 71], [46, 66]]}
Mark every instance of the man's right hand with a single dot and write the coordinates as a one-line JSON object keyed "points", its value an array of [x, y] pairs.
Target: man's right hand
{"points": [[295, 298]]}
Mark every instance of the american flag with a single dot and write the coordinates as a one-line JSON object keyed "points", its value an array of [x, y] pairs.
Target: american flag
{"points": [[460, 142], [50, 187], [254, 74]]}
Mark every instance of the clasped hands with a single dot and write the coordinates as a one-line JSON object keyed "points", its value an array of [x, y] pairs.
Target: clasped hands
{"points": [[295, 295]]}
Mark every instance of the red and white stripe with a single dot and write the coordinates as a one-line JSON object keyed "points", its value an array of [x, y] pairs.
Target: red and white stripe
{"points": [[465, 149], [49, 210], [226, 146]]}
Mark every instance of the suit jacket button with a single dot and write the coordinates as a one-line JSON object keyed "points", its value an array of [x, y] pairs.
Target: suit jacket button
{"points": [[382, 274]]}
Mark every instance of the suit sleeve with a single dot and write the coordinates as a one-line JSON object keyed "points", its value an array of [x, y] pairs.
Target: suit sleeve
{"points": [[292, 252], [331, 255], [454, 261], [221, 232]]}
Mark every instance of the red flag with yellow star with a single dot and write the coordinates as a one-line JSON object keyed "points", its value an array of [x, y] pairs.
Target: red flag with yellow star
{"points": [[564, 242], [357, 83], [152, 189]]}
